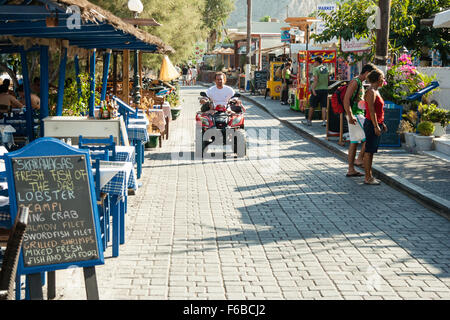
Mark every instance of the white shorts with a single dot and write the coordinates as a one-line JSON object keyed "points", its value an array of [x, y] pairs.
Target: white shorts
{"points": [[356, 131]]}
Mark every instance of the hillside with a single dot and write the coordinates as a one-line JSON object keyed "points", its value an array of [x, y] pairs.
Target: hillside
{"points": [[273, 8]]}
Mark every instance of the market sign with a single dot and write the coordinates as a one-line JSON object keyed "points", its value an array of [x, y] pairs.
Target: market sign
{"points": [[354, 44], [327, 8]]}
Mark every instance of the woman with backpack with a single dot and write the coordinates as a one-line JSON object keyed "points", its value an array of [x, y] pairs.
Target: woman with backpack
{"points": [[355, 119]]}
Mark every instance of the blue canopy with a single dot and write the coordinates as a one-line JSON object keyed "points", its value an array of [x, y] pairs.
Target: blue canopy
{"points": [[79, 22], [82, 23]]}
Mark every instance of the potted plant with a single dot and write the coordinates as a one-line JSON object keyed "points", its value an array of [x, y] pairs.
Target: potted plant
{"points": [[438, 116], [402, 80], [174, 101], [424, 141], [407, 129]]}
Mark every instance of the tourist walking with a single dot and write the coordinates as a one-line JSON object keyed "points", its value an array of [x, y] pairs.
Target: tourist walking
{"points": [[355, 119]]}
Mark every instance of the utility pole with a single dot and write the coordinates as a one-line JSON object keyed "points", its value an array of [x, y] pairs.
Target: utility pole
{"points": [[249, 41], [381, 50]]}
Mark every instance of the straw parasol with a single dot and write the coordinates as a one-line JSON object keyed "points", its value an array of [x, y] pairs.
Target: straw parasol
{"points": [[168, 71]]}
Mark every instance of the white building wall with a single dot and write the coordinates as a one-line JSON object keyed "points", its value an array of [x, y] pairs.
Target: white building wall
{"points": [[442, 94]]}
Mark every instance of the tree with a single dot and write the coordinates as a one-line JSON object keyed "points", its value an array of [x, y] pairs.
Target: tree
{"points": [[351, 17], [181, 24], [215, 16], [184, 23], [265, 19]]}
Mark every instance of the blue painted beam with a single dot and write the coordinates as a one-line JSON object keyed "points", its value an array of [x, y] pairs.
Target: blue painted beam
{"points": [[142, 47], [40, 25], [16, 49], [107, 59], [64, 32], [92, 85], [109, 40], [43, 60], [77, 75], [32, 11], [62, 78], [27, 92], [18, 15]]}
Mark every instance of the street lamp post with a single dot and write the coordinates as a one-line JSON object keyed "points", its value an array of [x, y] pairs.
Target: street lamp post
{"points": [[136, 6]]}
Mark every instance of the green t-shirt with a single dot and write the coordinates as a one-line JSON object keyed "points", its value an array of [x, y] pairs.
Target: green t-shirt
{"points": [[287, 74], [356, 97], [321, 72]]}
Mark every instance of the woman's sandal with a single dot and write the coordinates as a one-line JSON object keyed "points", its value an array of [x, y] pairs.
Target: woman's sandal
{"points": [[372, 181]]}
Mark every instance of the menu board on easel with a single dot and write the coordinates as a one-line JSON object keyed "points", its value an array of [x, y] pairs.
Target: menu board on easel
{"points": [[261, 79], [55, 182], [61, 226]]}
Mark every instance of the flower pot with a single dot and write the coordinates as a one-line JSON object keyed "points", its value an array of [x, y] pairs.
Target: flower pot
{"points": [[152, 142], [439, 130], [423, 143], [409, 139], [175, 112]]}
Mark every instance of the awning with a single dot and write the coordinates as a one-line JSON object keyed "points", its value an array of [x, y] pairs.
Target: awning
{"points": [[82, 23], [442, 20]]}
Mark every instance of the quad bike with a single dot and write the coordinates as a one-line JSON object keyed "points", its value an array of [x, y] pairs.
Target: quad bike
{"points": [[225, 124]]}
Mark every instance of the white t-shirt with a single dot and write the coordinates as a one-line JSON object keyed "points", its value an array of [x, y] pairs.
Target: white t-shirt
{"points": [[220, 96]]}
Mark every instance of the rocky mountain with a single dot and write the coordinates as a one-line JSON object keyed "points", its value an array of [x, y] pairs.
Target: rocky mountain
{"points": [[274, 8]]}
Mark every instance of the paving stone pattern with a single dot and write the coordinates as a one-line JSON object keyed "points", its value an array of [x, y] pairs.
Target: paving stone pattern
{"points": [[290, 226], [426, 172]]}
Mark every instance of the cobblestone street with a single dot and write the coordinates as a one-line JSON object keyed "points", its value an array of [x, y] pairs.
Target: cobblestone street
{"points": [[284, 223]]}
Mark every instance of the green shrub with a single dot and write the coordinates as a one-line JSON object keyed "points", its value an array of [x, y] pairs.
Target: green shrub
{"points": [[426, 128], [430, 112]]}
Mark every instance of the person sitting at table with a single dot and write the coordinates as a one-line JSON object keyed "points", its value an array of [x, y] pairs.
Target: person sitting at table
{"points": [[8, 101], [35, 101], [36, 85]]}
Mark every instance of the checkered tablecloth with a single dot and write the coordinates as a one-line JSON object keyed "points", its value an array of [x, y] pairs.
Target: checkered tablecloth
{"points": [[137, 132], [141, 120], [122, 180]]}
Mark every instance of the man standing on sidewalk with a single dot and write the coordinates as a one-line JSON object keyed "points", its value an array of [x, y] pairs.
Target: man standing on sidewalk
{"points": [[355, 119], [319, 91], [287, 81]]}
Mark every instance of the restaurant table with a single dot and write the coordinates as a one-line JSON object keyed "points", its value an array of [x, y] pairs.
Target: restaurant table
{"points": [[168, 117], [157, 119], [138, 136], [114, 180]]}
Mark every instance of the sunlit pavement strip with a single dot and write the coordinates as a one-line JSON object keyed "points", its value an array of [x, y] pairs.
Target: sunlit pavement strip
{"points": [[287, 227]]}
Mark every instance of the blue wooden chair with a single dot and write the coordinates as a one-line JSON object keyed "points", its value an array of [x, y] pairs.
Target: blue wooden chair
{"points": [[124, 109], [101, 149]]}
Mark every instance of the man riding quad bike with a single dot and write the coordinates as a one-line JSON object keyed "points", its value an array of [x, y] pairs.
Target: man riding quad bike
{"points": [[221, 119]]}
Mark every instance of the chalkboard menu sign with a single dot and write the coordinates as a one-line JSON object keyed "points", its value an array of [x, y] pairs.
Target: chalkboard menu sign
{"points": [[261, 79], [62, 228], [392, 117]]}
